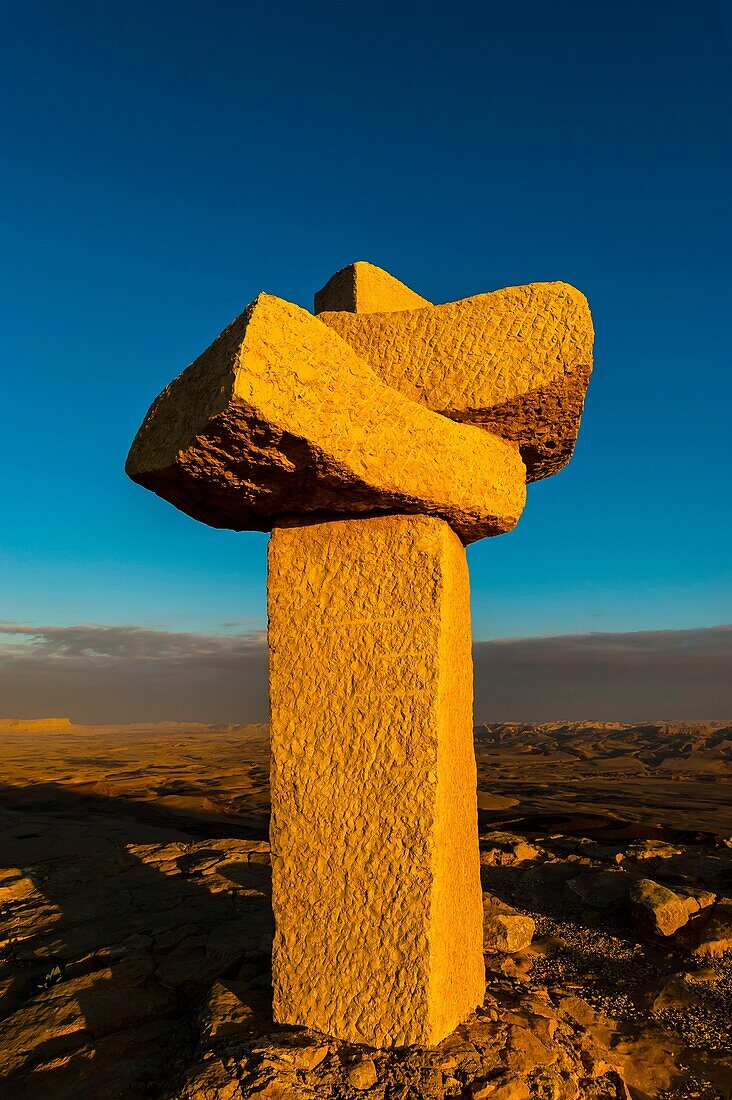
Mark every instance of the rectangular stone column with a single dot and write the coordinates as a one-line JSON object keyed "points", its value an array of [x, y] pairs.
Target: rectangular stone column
{"points": [[375, 862]]}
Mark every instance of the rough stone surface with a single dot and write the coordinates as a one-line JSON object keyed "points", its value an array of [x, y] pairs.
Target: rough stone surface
{"points": [[601, 889], [280, 418], [716, 938], [516, 362], [362, 1075], [657, 909], [376, 887], [512, 1089], [504, 930], [364, 288]]}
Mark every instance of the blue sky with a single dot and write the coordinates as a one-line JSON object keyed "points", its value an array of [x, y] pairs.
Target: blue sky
{"points": [[164, 162]]}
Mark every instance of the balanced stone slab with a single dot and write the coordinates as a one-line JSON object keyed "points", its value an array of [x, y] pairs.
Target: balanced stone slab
{"points": [[364, 288], [280, 417], [516, 362], [375, 862]]}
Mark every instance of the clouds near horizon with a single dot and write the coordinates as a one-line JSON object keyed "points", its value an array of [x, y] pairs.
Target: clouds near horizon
{"points": [[118, 673]]}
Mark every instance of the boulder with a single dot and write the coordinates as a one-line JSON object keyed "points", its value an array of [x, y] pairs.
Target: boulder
{"points": [[512, 1088], [362, 1075], [228, 1011], [643, 850], [505, 849], [671, 993], [716, 938], [280, 420], [504, 930], [601, 889], [515, 362], [660, 911]]}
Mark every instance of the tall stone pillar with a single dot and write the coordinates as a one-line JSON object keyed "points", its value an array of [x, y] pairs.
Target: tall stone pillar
{"points": [[375, 862], [429, 420]]}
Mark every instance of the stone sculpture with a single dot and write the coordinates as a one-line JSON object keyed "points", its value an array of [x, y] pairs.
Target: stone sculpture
{"points": [[375, 439]]}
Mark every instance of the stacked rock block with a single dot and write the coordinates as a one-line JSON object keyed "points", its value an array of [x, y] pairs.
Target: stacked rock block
{"points": [[375, 439], [376, 876]]}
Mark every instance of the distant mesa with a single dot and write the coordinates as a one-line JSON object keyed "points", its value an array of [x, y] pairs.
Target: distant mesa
{"points": [[36, 725], [65, 725]]}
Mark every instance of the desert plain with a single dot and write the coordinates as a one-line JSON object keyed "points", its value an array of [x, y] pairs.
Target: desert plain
{"points": [[136, 923]]}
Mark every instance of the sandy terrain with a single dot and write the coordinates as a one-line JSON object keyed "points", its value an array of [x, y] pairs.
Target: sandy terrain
{"points": [[135, 924]]}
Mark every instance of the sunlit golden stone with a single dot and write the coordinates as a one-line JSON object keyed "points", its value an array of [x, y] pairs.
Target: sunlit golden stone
{"points": [[288, 420], [516, 361], [281, 418], [375, 863], [364, 288]]}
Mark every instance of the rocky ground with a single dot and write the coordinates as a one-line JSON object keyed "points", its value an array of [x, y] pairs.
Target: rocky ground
{"points": [[135, 923]]}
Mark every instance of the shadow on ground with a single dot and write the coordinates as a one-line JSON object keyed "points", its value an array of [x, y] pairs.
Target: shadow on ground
{"points": [[117, 920]]}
